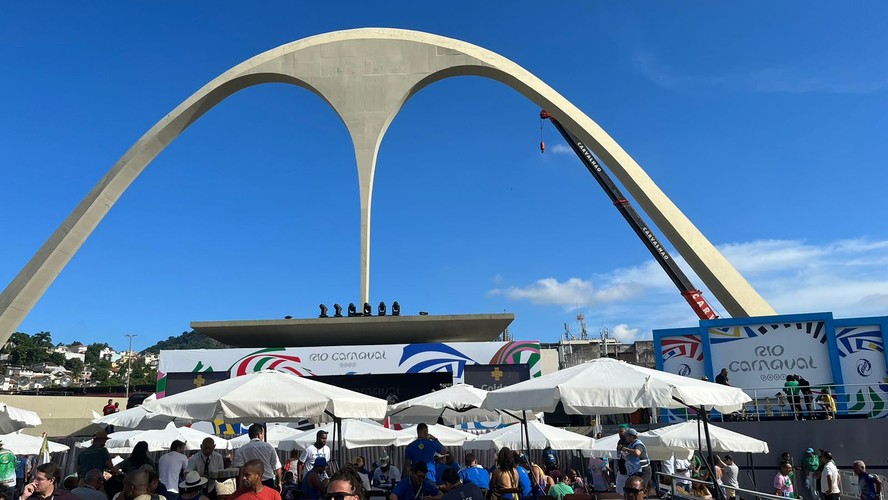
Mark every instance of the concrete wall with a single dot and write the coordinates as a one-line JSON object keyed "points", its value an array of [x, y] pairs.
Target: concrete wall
{"points": [[62, 415]]}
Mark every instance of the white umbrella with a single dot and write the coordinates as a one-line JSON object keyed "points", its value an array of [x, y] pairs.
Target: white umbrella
{"points": [[447, 436], [162, 439], [457, 404], [688, 436], [268, 396], [22, 444], [137, 418], [273, 436], [119, 438], [354, 434], [13, 419], [607, 447], [607, 386], [540, 435]]}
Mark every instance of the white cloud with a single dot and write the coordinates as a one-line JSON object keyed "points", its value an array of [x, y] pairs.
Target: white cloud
{"points": [[793, 78], [561, 149], [846, 277], [569, 294]]}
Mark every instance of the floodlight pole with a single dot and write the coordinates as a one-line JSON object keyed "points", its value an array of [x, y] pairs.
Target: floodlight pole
{"points": [[129, 363]]}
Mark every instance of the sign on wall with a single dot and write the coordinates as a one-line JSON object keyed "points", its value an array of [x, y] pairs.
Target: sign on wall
{"points": [[862, 361], [451, 358]]}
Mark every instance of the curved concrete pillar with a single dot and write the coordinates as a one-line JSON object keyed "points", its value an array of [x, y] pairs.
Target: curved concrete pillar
{"points": [[366, 75]]}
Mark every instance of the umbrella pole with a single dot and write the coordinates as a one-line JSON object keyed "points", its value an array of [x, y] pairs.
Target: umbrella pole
{"points": [[752, 469], [716, 492]]}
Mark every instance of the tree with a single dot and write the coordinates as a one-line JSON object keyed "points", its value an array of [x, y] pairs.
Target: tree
{"points": [[43, 339], [75, 365], [23, 350], [92, 353]]}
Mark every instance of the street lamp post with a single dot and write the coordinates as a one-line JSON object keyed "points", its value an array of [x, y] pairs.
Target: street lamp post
{"points": [[129, 363]]}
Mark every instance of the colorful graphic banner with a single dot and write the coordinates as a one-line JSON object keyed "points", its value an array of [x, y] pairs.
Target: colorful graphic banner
{"points": [[864, 369], [352, 360]]}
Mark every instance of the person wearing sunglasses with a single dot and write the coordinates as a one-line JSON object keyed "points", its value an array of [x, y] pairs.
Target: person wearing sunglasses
{"points": [[44, 485], [345, 485], [416, 486], [633, 489]]}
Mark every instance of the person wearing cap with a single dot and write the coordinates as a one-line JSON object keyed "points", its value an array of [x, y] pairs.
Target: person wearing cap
{"points": [[251, 484], [730, 473], [456, 489], [443, 461], [96, 456], [260, 450], [313, 451], [423, 449], [416, 485], [474, 473], [810, 466], [313, 482], [386, 475], [192, 486], [637, 461], [620, 471]]}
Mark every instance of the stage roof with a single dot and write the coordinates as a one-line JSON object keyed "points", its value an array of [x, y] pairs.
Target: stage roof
{"points": [[361, 330]]}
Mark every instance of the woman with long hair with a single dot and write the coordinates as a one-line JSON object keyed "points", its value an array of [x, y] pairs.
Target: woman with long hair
{"points": [[137, 458], [505, 476]]}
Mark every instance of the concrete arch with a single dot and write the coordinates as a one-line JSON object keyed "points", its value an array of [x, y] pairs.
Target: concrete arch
{"points": [[366, 75]]}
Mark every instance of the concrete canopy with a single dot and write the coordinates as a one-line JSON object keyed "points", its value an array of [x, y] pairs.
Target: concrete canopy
{"points": [[366, 75], [356, 331]]}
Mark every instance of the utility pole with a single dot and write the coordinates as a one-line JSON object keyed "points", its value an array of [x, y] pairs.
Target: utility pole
{"points": [[129, 363]]}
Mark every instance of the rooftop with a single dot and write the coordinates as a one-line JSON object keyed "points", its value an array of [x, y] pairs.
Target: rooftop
{"points": [[360, 330]]}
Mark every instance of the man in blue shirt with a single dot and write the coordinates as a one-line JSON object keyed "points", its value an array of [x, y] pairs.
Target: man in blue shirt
{"points": [[416, 486], [523, 477], [474, 473], [423, 449]]}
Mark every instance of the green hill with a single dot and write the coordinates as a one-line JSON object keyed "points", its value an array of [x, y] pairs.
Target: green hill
{"points": [[187, 340]]}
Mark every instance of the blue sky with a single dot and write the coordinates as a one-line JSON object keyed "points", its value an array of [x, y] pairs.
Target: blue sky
{"points": [[764, 122]]}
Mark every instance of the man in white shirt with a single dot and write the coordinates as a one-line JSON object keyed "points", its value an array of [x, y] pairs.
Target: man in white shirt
{"points": [[313, 451], [171, 468], [386, 475], [258, 449], [207, 463], [829, 477]]}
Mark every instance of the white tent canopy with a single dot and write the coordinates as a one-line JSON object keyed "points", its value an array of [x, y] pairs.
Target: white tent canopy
{"points": [[137, 418], [273, 436], [607, 386], [268, 396], [162, 439], [355, 434], [457, 404], [541, 435], [22, 444], [689, 436], [14, 419], [447, 436], [607, 447]]}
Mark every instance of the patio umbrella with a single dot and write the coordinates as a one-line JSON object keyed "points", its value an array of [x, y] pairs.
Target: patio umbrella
{"points": [[273, 436], [162, 439], [137, 418], [607, 386], [539, 435], [22, 444], [447, 436], [13, 419], [269, 396], [688, 436], [607, 447], [457, 404], [353, 434]]}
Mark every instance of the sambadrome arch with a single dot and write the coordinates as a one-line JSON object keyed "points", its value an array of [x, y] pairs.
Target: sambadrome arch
{"points": [[366, 76]]}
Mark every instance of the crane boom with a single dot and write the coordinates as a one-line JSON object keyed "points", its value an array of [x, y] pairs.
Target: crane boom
{"points": [[691, 294]]}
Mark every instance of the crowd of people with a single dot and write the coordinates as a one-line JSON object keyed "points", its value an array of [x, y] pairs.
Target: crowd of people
{"points": [[431, 472]]}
